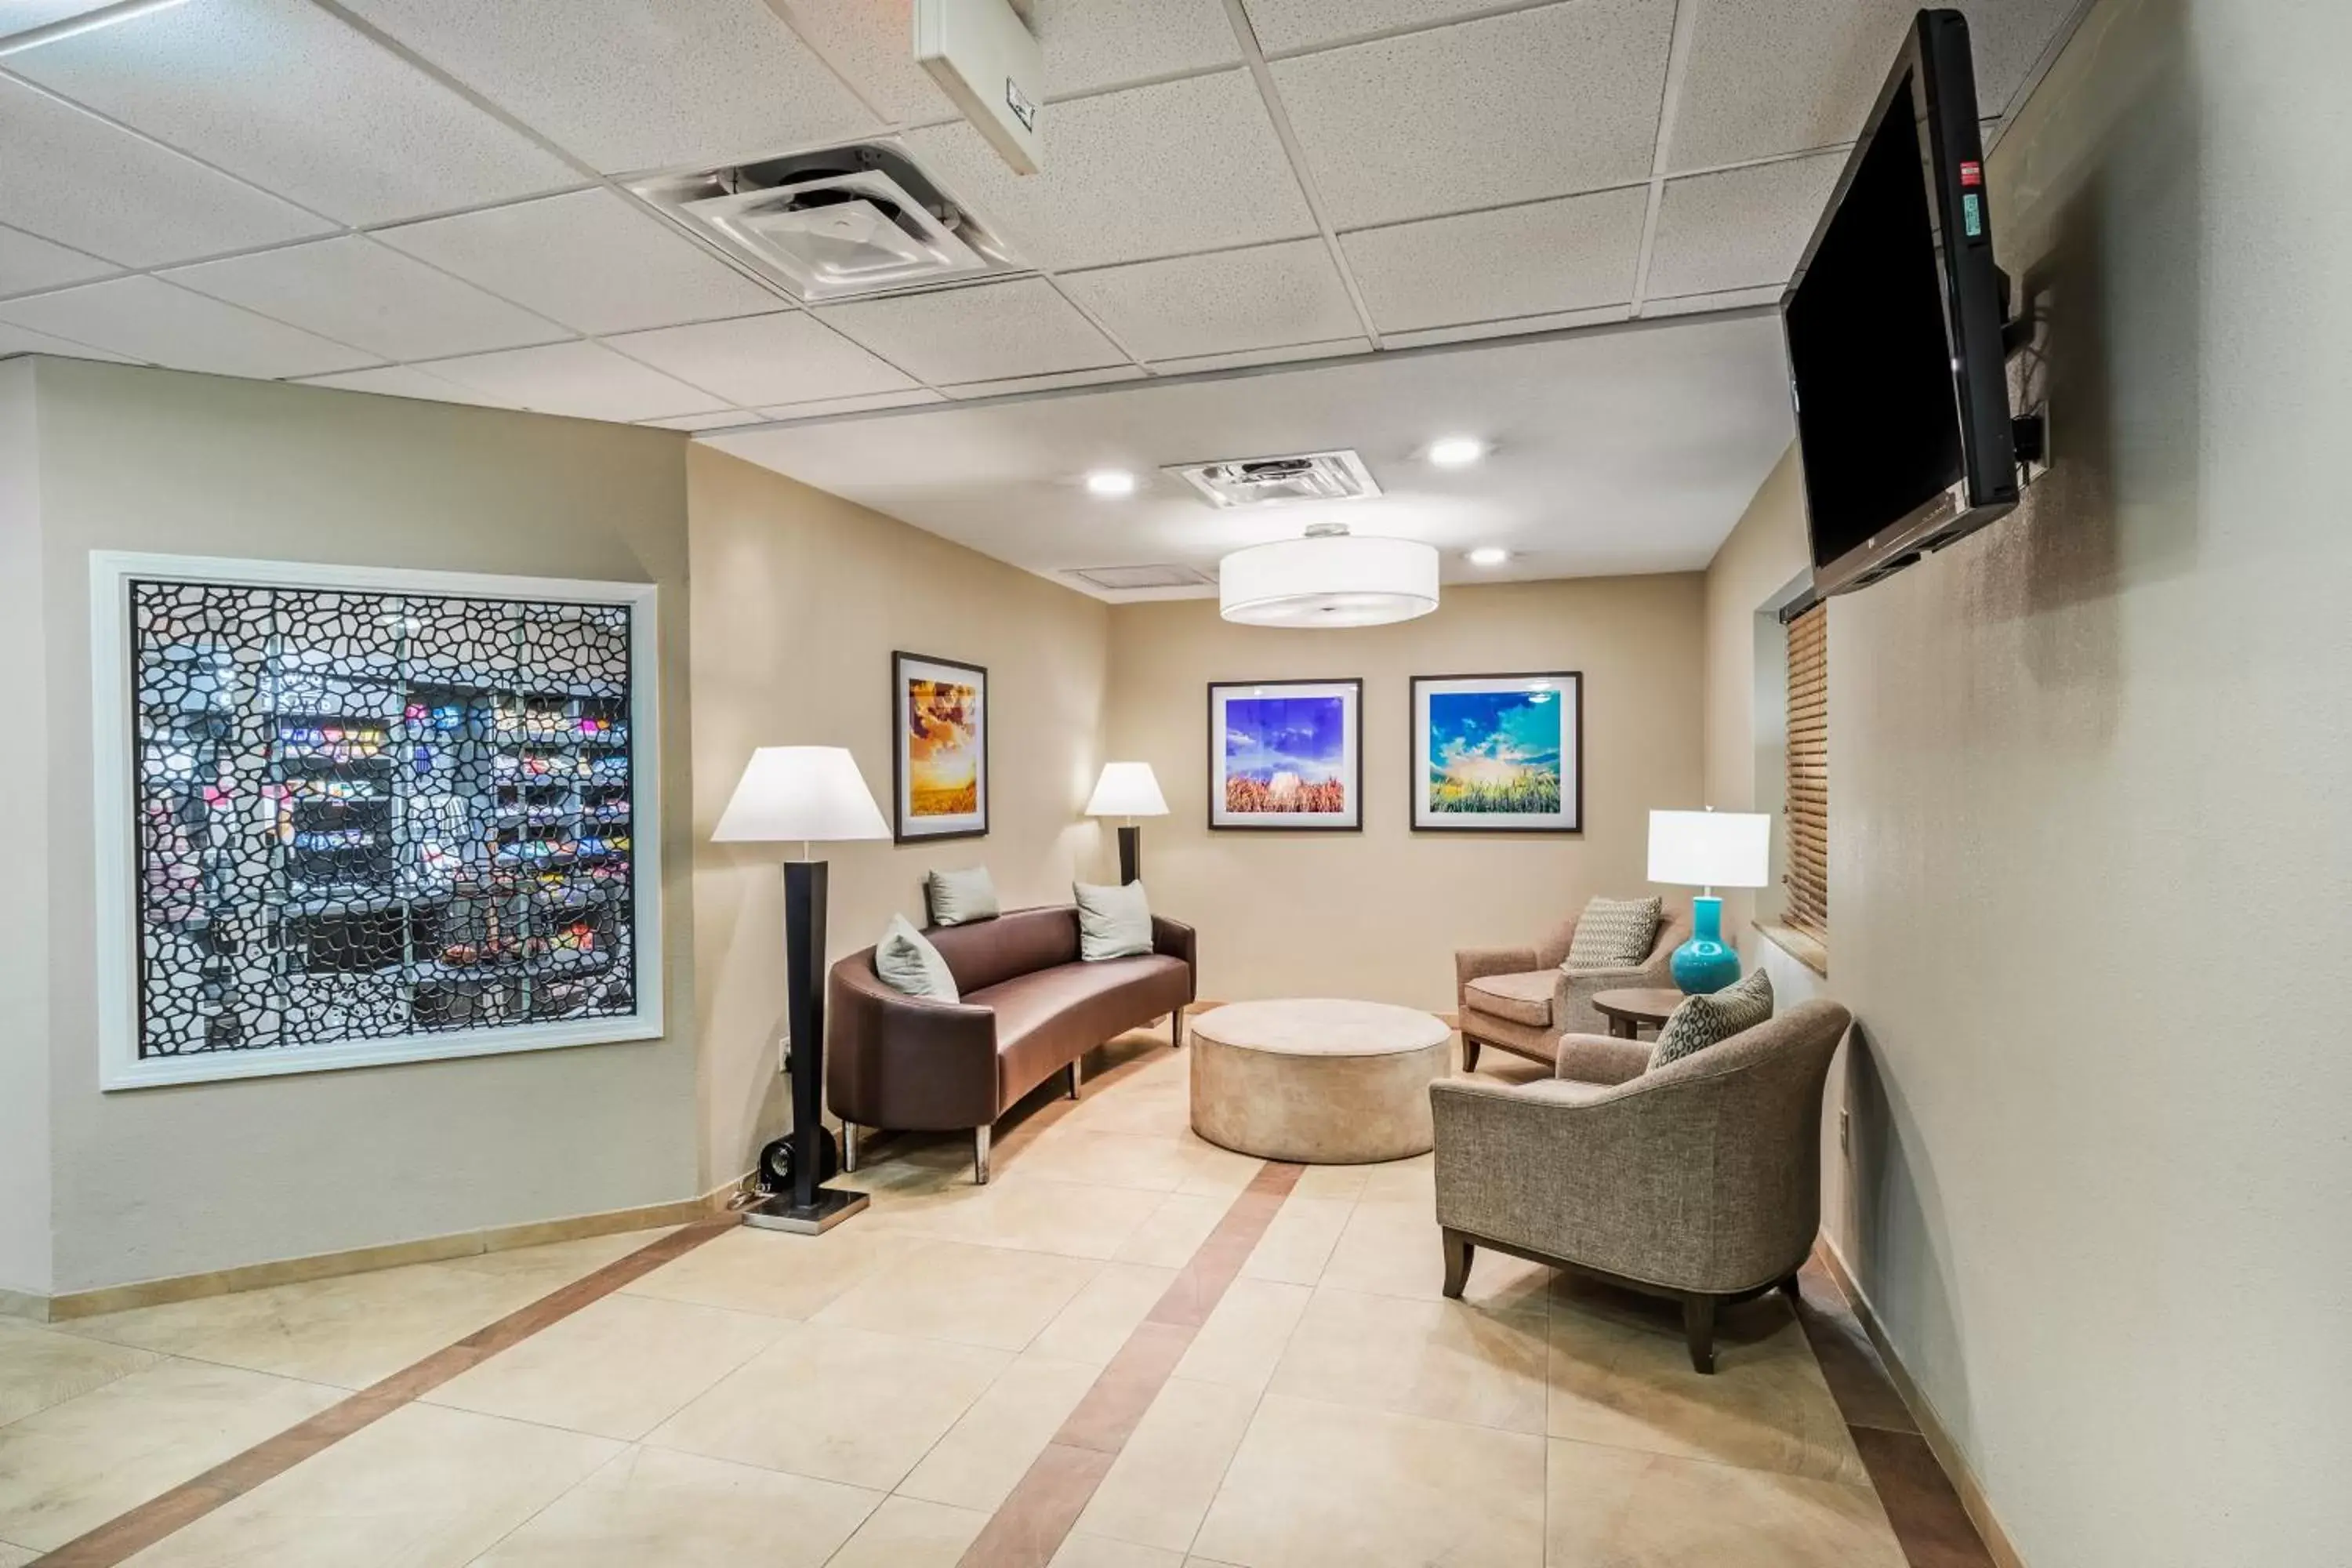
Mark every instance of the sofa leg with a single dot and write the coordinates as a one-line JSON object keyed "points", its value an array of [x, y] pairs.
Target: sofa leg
{"points": [[1176, 1027], [1074, 1077], [848, 1148], [1458, 1248], [1469, 1054], [1699, 1328], [979, 1155]]}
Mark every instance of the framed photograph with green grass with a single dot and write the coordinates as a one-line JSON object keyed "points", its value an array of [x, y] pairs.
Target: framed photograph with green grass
{"points": [[1499, 753]]}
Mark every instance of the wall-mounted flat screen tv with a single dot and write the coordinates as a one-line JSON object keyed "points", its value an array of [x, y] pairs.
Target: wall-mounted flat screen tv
{"points": [[1894, 323]]}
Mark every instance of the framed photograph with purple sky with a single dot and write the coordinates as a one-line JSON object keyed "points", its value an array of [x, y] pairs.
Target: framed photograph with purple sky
{"points": [[1286, 755]]}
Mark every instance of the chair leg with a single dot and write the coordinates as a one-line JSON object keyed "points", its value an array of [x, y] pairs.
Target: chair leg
{"points": [[1458, 1248], [1793, 1289], [849, 1147], [979, 1155], [1699, 1328], [1469, 1054]]}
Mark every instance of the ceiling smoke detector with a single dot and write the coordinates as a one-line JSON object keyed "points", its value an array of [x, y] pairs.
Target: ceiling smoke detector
{"points": [[836, 225], [1264, 481]]}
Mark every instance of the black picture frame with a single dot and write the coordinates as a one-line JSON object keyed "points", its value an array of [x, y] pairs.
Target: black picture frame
{"points": [[905, 827], [1571, 762], [1350, 689]]}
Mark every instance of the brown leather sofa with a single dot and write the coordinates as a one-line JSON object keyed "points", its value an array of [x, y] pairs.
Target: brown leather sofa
{"points": [[1031, 1007]]}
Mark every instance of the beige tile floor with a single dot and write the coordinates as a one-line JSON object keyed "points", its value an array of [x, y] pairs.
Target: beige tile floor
{"points": [[865, 1399]]}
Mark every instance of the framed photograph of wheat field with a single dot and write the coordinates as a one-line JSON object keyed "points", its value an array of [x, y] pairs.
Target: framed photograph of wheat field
{"points": [[939, 748], [1499, 753], [1286, 755]]}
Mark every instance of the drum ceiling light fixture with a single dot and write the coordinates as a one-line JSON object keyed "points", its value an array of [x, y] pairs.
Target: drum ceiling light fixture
{"points": [[1329, 578]]}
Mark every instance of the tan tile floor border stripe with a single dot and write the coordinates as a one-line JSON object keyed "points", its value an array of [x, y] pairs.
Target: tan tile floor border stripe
{"points": [[120, 1537], [1031, 1524]]}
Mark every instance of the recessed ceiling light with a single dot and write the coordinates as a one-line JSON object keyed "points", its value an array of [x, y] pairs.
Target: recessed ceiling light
{"points": [[1489, 556], [1456, 451], [1110, 482]]}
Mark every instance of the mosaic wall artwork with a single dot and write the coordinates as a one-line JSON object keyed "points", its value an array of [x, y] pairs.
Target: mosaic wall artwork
{"points": [[363, 815]]}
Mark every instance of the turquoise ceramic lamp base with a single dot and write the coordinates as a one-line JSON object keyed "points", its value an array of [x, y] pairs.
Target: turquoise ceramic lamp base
{"points": [[1705, 964]]}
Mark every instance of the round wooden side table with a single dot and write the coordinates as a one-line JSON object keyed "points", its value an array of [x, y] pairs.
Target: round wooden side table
{"points": [[1629, 1011]]}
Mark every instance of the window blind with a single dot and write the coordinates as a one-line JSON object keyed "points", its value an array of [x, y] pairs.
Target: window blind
{"points": [[1808, 807]]}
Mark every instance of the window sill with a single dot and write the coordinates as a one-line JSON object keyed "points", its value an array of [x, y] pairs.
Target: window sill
{"points": [[1812, 953]]}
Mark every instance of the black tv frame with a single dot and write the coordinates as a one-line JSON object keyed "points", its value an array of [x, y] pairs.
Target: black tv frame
{"points": [[1936, 55]]}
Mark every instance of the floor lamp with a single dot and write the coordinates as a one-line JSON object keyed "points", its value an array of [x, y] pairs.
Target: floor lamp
{"points": [[1128, 790], [803, 794]]}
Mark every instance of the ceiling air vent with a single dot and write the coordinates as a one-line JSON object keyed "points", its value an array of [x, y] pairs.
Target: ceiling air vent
{"points": [[836, 225], [1126, 579], [1262, 482]]}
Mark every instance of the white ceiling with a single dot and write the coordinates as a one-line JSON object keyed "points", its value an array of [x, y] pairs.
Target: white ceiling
{"points": [[423, 197], [1631, 447]]}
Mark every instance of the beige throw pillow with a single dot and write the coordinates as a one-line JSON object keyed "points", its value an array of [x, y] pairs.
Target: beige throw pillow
{"points": [[1702, 1021], [1613, 934], [907, 961], [1113, 922], [959, 897]]}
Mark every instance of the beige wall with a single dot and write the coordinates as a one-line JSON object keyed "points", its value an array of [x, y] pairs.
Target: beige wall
{"points": [[172, 1181], [800, 598], [24, 798], [1379, 914], [2088, 842], [1765, 552]]}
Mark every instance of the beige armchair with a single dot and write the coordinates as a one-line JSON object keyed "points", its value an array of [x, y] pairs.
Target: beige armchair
{"points": [[1520, 999], [1700, 1182]]}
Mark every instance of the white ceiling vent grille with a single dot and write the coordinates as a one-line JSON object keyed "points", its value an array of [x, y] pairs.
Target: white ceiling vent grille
{"points": [[1264, 481], [1126, 579], [836, 225]]}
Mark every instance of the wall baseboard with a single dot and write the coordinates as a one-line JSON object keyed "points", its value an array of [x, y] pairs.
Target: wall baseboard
{"points": [[360, 1259], [1931, 1426]]}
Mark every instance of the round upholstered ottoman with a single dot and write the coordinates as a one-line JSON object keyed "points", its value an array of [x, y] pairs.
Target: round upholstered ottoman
{"points": [[1321, 1082]]}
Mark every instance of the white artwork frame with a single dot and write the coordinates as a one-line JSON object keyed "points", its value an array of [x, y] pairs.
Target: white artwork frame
{"points": [[114, 818]]}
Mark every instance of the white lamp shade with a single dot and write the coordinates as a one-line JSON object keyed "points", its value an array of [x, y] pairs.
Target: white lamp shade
{"points": [[1711, 848], [1126, 789], [1330, 580], [800, 793]]}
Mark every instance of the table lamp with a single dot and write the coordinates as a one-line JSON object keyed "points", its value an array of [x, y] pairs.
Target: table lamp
{"points": [[805, 794], [1127, 790], [1709, 849]]}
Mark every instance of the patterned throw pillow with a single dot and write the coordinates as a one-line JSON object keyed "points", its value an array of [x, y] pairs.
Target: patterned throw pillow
{"points": [[1613, 934], [1704, 1021]]}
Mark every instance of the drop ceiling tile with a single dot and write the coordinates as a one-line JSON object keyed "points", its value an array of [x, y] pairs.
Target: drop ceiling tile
{"points": [[22, 341], [405, 381], [577, 379], [1768, 77], [1152, 170], [356, 291], [1286, 27], [870, 44], [71, 177], [23, 15], [826, 407], [1094, 44], [592, 260], [724, 418], [1537, 259], [1220, 303], [1289, 354], [987, 331], [1056, 382], [149, 320], [283, 94], [786, 357], [586, 381], [1521, 326], [29, 263], [1742, 228], [1699, 304], [637, 84], [1510, 109]]}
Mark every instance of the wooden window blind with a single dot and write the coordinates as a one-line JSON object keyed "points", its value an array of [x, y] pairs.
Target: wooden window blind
{"points": [[1807, 875]]}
